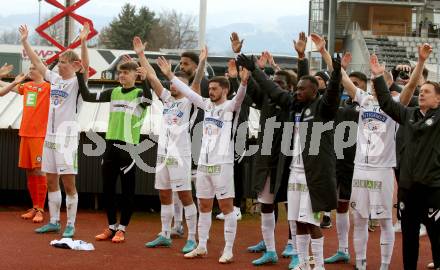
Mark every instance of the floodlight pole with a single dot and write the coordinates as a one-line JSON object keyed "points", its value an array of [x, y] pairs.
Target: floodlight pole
{"points": [[331, 26], [202, 23]]}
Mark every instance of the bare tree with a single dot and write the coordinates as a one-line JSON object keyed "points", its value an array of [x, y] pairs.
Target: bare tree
{"points": [[174, 31]]}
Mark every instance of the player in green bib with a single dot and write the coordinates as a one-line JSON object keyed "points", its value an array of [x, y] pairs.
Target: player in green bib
{"points": [[128, 104]]}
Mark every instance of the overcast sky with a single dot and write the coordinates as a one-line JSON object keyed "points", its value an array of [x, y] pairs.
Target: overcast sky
{"points": [[220, 12]]}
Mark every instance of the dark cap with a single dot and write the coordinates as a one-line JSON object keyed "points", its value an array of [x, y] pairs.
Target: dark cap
{"points": [[323, 74]]}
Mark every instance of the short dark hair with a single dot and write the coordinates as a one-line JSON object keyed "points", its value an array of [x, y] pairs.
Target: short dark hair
{"points": [[131, 65], [221, 80], [191, 55], [311, 79], [359, 75], [291, 78], [436, 86]]}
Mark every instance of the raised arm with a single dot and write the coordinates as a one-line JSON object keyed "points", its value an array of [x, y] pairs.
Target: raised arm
{"points": [[102, 96], [408, 91], [394, 109], [84, 50], [281, 97], [300, 48], [12, 86], [320, 46], [24, 33], [348, 84], [271, 62], [200, 73], [331, 97], [147, 98], [195, 98], [236, 43], [139, 49], [241, 93], [4, 71]]}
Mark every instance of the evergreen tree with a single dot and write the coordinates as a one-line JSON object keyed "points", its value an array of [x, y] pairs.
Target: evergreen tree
{"points": [[119, 34]]}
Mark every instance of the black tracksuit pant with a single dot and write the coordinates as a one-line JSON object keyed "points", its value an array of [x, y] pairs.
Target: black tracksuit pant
{"points": [[117, 162], [419, 204]]}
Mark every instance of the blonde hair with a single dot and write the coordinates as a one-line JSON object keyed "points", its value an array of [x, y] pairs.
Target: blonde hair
{"points": [[70, 56]]}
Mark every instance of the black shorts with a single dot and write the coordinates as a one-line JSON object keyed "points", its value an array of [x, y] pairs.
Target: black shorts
{"points": [[343, 184]]}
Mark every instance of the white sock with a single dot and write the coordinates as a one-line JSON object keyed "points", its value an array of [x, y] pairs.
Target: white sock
{"points": [[71, 208], [302, 242], [318, 252], [230, 229], [178, 209], [292, 226], [54, 202], [360, 238], [166, 216], [191, 221], [121, 228], [327, 214], [113, 227], [386, 240], [268, 230], [343, 227], [204, 226]]}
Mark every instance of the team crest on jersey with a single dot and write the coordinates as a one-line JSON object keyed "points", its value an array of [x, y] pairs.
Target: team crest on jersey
{"points": [[372, 125], [401, 206], [429, 122], [307, 112], [58, 96]]}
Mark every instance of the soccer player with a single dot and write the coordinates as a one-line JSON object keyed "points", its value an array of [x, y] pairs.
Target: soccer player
{"points": [[419, 173], [60, 149], [128, 105], [312, 185], [270, 188], [215, 168], [345, 165], [373, 176], [173, 169], [32, 132]]}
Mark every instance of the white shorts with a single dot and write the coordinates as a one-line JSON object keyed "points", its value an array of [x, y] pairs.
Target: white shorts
{"points": [[299, 205], [265, 196], [372, 192], [173, 173], [60, 155], [215, 181]]}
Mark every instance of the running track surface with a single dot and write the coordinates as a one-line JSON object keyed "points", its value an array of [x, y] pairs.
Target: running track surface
{"points": [[21, 248]]}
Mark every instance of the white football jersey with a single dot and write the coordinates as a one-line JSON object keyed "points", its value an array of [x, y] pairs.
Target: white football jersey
{"points": [[217, 141], [218, 123], [174, 137], [65, 104], [376, 136]]}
